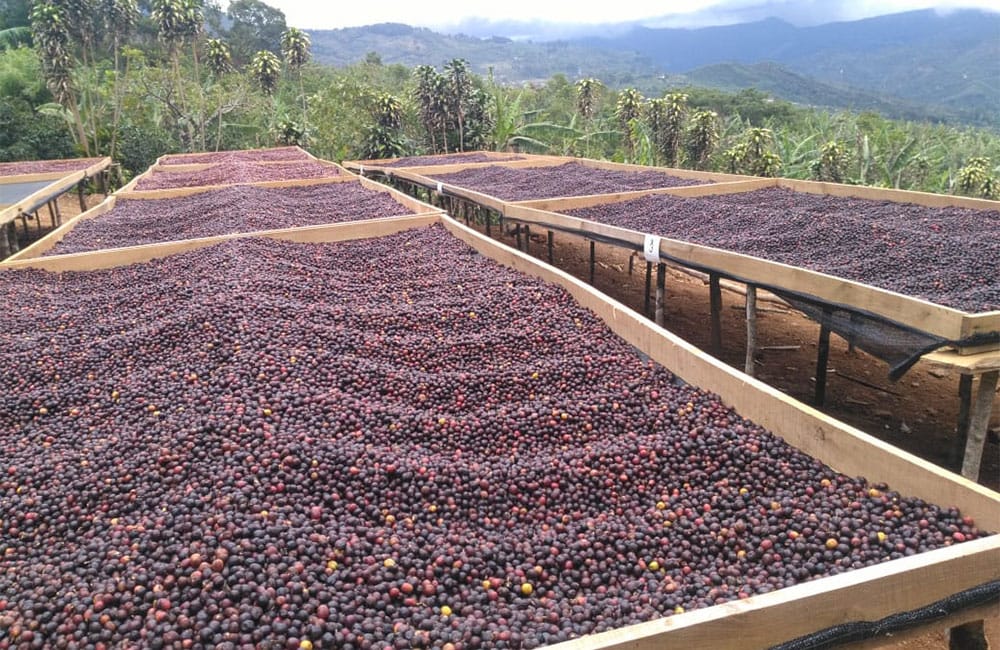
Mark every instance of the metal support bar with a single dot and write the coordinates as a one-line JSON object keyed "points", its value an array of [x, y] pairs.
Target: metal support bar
{"points": [[822, 359], [550, 246], [649, 273], [715, 302], [751, 330], [964, 407], [661, 280], [592, 260]]}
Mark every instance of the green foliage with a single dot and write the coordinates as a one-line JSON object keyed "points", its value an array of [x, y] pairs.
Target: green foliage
{"points": [[977, 179], [288, 132], [266, 71], [665, 118], [295, 47], [701, 138], [14, 37], [26, 135], [255, 26], [628, 110], [218, 56], [14, 13], [588, 91], [140, 146], [752, 154], [832, 163], [21, 77]]}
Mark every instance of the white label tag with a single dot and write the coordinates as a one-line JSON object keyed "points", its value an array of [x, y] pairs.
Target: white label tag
{"points": [[651, 248], [440, 187]]}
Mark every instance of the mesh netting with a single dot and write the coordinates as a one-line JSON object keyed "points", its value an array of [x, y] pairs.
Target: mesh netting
{"points": [[856, 631], [899, 346]]}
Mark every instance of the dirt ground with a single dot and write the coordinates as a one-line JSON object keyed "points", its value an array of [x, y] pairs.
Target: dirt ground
{"points": [[69, 206], [917, 413]]}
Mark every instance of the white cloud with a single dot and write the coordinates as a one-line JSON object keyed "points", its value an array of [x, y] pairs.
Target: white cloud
{"points": [[309, 14]]}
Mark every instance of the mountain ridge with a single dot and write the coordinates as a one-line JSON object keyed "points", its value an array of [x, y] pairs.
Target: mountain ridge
{"points": [[917, 64]]}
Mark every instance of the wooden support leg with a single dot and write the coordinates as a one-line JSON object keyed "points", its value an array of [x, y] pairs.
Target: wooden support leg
{"points": [[15, 246], [649, 274], [517, 234], [592, 260], [822, 359], [979, 420], [751, 329], [5, 250], [486, 217], [715, 301], [79, 195], [527, 239], [631, 263], [58, 213], [661, 278], [550, 246], [964, 407]]}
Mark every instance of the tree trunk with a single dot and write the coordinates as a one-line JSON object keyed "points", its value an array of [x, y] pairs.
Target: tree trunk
{"points": [[78, 122]]}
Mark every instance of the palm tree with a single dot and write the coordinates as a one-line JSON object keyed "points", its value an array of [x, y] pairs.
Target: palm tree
{"points": [[586, 103], [586, 97], [627, 110], [832, 163], [266, 71], [383, 140], [81, 17], [171, 25], [120, 17], [295, 49], [459, 87], [426, 77], [51, 37], [702, 137], [220, 61], [218, 56], [666, 118]]}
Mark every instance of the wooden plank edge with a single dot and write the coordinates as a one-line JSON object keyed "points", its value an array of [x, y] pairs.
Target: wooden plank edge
{"points": [[114, 257], [404, 199], [177, 192], [47, 242], [841, 446], [926, 199], [691, 174], [161, 160], [383, 165], [198, 167], [918, 313], [101, 163], [972, 364], [54, 189], [485, 200], [762, 621], [558, 204]]}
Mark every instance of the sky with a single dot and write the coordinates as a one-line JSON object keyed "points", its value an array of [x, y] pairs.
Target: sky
{"points": [[450, 15]]}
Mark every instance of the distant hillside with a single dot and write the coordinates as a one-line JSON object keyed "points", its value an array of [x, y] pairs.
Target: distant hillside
{"points": [[511, 61], [916, 65], [779, 81], [948, 60]]}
